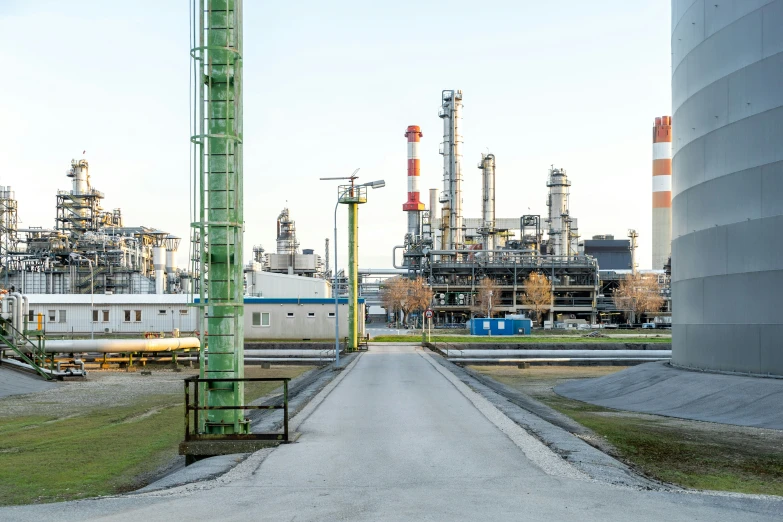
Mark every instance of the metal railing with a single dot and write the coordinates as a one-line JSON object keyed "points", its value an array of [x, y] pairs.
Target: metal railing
{"points": [[192, 431]]}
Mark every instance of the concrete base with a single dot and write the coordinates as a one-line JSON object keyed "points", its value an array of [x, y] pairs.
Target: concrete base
{"points": [[200, 449], [661, 389], [14, 382]]}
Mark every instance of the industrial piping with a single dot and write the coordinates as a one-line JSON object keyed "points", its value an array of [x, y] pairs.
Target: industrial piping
{"points": [[122, 345]]}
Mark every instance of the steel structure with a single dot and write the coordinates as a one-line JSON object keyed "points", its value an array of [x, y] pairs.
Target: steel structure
{"points": [[662, 192], [727, 271], [39, 260], [9, 225], [451, 149], [217, 116]]}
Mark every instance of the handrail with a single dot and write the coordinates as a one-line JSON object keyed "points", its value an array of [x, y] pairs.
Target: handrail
{"points": [[193, 434]]}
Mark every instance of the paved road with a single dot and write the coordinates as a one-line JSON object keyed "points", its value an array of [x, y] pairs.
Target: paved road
{"points": [[397, 440]]}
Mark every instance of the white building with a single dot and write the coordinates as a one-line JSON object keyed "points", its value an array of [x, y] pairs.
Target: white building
{"points": [[134, 314], [269, 284]]}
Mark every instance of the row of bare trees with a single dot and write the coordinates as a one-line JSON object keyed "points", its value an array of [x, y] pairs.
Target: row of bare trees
{"points": [[537, 295], [636, 294], [401, 294]]}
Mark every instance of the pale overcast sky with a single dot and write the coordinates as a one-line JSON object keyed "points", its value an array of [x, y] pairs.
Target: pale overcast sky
{"points": [[331, 86]]}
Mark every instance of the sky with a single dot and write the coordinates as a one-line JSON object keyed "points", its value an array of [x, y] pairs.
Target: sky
{"points": [[331, 87]]}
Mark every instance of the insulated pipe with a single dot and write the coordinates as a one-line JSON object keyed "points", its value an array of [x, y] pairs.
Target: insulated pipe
{"points": [[25, 308], [559, 360], [296, 352], [18, 305], [11, 311], [557, 354], [122, 345]]}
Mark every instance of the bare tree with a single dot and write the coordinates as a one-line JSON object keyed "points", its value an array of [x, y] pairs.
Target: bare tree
{"points": [[538, 294], [487, 297], [401, 294], [638, 294]]}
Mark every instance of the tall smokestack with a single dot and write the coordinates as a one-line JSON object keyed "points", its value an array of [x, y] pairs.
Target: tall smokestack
{"points": [[662, 192], [413, 206]]}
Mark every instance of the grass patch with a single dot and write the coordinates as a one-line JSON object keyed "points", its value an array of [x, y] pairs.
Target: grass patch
{"points": [[521, 339], [88, 451], [688, 453]]}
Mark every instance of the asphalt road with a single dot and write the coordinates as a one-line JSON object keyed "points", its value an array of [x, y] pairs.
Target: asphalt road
{"points": [[397, 439]]}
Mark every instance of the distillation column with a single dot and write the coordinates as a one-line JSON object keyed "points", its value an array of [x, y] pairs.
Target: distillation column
{"points": [[559, 225], [662, 192], [487, 167], [451, 197], [219, 171], [413, 206]]}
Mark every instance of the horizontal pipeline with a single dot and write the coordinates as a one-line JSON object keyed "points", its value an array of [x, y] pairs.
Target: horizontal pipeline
{"points": [[463, 360], [122, 345], [558, 354]]}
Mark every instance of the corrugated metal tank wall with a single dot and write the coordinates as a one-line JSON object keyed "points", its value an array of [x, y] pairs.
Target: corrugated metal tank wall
{"points": [[727, 256]]}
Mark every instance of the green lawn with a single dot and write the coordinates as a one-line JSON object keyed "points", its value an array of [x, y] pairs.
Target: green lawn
{"points": [[93, 451]]}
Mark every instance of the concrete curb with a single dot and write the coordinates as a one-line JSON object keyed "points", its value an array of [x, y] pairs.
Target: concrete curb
{"points": [[533, 449], [532, 417]]}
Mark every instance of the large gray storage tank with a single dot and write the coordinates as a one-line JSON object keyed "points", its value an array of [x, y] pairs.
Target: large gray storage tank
{"points": [[727, 248]]}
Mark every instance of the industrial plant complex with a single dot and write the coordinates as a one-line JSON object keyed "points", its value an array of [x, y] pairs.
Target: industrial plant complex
{"points": [[501, 331]]}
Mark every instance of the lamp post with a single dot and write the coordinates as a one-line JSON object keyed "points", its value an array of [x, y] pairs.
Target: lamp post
{"points": [[352, 195], [80, 257]]}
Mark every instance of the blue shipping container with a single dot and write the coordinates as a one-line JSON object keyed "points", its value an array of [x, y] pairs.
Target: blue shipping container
{"points": [[500, 326]]}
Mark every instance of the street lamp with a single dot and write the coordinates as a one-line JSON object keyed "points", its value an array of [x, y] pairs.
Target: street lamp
{"points": [[352, 200], [80, 257]]}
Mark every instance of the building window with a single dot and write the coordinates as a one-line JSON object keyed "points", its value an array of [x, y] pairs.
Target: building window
{"points": [[183, 312], [31, 316], [331, 314], [290, 315], [138, 315], [63, 316], [261, 319], [52, 316], [95, 316], [105, 316], [127, 315], [161, 312], [310, 314]]}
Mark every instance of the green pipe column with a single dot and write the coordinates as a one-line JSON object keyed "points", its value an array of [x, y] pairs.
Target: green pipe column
{"points": [[353, 276], [222, 238]]}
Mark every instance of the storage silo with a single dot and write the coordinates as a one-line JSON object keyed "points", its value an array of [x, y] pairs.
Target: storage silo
{"points": [[727, 258]]}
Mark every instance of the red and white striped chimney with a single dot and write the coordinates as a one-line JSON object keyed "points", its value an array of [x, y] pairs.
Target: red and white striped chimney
{"points": [[413, 206], [662, 192]]}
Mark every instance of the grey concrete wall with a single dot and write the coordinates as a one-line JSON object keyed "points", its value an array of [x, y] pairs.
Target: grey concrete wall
{"points": [[727, 253]]}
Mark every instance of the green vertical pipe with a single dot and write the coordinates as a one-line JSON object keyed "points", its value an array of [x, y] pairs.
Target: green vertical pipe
{"points": [[353, 275], [222, 197]]}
